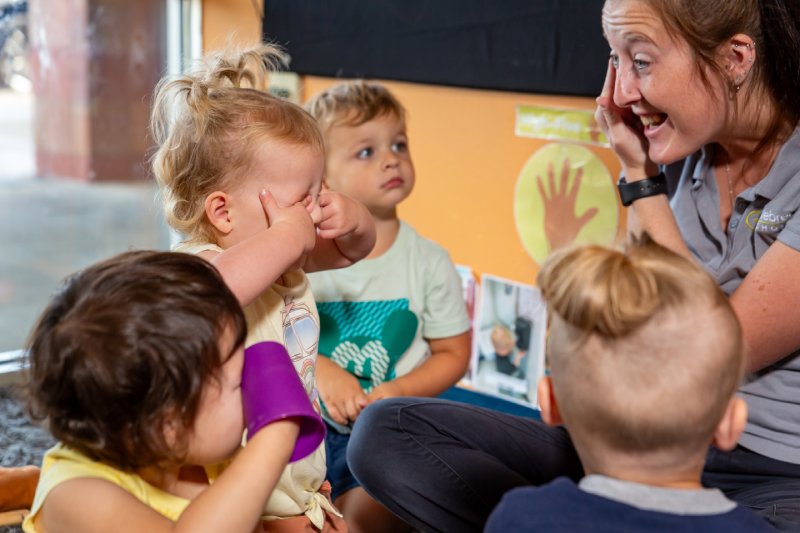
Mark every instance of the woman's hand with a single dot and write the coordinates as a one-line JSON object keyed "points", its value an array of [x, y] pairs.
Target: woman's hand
{"points": [[624, 131]]}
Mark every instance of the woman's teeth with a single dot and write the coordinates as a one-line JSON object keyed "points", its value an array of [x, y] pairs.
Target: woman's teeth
{"points": [[651, 121]]}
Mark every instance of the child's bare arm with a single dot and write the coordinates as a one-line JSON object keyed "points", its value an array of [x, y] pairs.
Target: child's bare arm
{"points": [[252, 265], [339, 390], [447, 363], [346, 233], [234, 502]]}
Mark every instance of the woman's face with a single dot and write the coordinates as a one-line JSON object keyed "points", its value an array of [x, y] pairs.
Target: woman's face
{"points": [[657, 79]]}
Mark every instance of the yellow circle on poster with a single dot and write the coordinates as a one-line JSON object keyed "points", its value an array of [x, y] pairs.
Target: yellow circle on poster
{"points": [[583, 212]]}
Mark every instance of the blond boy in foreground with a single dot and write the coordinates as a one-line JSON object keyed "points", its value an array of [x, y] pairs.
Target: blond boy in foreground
{"points": [[646, 355]]}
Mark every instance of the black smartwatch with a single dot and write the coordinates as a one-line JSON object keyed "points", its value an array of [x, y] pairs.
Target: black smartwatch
{"points": [[630, 192]]}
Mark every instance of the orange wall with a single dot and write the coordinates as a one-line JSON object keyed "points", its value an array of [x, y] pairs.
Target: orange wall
{"points": [[231, 20], [467, 160], [466, 155]]}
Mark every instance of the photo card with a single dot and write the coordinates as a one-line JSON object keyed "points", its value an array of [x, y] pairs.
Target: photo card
{"points": [[510, 326]]}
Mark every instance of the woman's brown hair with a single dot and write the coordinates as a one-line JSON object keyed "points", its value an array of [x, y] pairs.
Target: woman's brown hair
{"points": [[774, 25]]}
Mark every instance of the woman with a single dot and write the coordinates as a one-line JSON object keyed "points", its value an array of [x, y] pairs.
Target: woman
{"points": [[707, 92]]}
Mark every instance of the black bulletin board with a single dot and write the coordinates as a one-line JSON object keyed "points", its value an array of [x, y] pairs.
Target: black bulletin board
{"points": [[536, 46]]}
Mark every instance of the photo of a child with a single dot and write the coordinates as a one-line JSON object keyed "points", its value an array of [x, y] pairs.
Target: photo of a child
{"points": [[508, 352]]}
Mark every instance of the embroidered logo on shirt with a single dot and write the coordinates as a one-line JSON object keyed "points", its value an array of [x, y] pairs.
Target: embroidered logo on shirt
{"points": [[766, 221]]}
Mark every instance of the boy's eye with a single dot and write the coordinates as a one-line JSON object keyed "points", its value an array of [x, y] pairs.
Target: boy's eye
{"points": [[400, 147], [364, 153]]}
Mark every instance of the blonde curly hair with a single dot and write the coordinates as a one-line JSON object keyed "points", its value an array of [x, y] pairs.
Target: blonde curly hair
{"points": [[207, 124], [353, 103]]}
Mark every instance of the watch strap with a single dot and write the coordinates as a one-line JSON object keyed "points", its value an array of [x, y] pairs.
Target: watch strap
{"points": [[652, 186]]}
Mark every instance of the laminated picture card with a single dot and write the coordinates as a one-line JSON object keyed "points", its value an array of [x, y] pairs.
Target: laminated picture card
{"points": [[508, 340]]}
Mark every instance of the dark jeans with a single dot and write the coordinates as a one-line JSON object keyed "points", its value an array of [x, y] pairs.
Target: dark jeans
{"points": [[443, 466], [769, 487], [338, 473]]}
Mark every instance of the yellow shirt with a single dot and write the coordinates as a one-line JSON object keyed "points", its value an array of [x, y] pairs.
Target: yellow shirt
{"points": [[62, 464]]}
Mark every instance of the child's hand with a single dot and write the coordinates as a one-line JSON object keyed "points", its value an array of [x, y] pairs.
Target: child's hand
{"points": [[272, 391], [340, 215], [295, 217], [311, 203], [340, 391], [390, 389]]}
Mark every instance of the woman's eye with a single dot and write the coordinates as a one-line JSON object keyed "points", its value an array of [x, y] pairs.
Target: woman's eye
{"points": [[615, 61], [364, 153], [640, 64]]}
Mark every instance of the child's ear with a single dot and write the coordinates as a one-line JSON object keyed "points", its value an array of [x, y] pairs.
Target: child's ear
{"points": [[731, 425], [547, 402], [170, 427], [217, 207]]}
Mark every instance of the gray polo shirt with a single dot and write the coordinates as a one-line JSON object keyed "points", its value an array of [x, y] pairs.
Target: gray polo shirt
{"points": [[762, 214]]}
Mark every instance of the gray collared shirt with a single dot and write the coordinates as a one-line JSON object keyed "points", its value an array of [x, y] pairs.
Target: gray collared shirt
{"points": [[696, 502], [762, 214]]}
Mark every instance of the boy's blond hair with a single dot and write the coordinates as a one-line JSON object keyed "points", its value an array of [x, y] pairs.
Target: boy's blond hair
{"points": [[645, 349], [353, 103], [207, 125], [503, 339]]}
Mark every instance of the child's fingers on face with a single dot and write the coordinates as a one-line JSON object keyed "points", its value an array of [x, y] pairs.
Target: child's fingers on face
{"points": [[315, 211], [268, 204], [328, 218], [328, 197], [331, 229]]}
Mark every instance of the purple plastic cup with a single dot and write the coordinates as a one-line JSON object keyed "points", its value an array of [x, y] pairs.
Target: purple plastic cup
{"points": [[272, 390]]}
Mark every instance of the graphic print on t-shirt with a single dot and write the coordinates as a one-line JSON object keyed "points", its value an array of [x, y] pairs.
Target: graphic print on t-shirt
{"points": [[367, 338], [300, 336]]}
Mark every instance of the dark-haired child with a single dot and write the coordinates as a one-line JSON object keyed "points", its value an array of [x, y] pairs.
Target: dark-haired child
{"points": [[137, 366]]}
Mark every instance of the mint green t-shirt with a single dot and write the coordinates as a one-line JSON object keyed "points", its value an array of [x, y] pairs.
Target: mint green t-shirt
{"points": [[376, 314]]}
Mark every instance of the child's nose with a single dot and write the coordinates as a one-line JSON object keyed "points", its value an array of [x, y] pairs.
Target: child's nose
{"points": [[390, 160]]}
